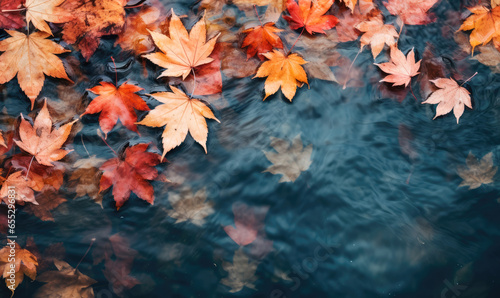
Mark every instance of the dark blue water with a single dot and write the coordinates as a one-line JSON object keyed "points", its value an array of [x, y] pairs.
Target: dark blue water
{"points": [[365, 220]]}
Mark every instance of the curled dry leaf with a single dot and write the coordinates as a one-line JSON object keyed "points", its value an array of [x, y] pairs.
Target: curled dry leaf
{"points": [[289, 160], [412, 12], [241, 272], [31, 58], [39, 12], [285, 72], [190, 207], [477, 172], [179, 114], [25, 264], [10, 15], [41, 141], [130, 173], [261, 39], [92, 20], [116, 104], [181, 52], [66, 281], [400, 69], [310, 15], [377, 34], [449, 96], [485, 26]]}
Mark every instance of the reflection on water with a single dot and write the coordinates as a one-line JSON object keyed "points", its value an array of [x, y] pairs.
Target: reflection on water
{"points": [[377, 213]]}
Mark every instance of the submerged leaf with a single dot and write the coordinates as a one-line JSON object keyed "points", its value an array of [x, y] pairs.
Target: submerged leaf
{"points": [[477, 172], [290, 160], [241, 272], [190, 207]]}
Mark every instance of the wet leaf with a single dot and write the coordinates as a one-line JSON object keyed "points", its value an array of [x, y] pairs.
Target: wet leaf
{"points": [[449, 96], [31, 58], [25, 264], [11, 19], [24, 186], [130, 173], [48, 200], [412, 12], [261, 39], [181, 52], [400, 69], [179, 114], [289, 160], [64, 282], [241, 272], [39, 12], [116, 104], [377, 34], [477, 173], [247, 221], [285, 72], [2, 141], [485, 26], [86, 178], [41, 140], [310, 15], [190, 207], [46, 259]]}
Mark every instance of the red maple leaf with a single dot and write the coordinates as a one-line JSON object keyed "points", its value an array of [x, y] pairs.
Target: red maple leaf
{"points": [[310, 15], [131, 174], [10, 16], [248, 222], [261, 39]]}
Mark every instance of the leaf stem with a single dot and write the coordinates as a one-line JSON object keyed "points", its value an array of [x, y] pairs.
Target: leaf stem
{"points": [[13, 10], [194, 82], [301, 32], [411, 89], [84, 147], [257, 13], [29, 167], [349, 70], [468, 79], [91, 243], [116, 73], [109, 146]]}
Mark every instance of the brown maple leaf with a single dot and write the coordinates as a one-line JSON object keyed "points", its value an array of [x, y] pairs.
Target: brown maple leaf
{"points": [[181, 52], [477, 173], [25, 263], [92, 20], [485, 26], [31, 58], [282, 71], [289, 160], [66, 281], [241, 272], [179, 114], [449, 96], [400, 69], [130, 173], [48, 199], [46, 259], [190, 207], [85, 178], [261, 39], [41, 141], [39, 12], [377, 34], [116, 104]]}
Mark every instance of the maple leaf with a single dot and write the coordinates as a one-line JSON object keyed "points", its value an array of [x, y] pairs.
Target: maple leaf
{"points": [[247, 224], [179, 114], [66, 281], [2, 141], [181, 52], [31, 58], [346, 28], [10, 15], [449, 96], [190, 207], [412, 12], [364, 5], [310, 15], [485, 26], [86, 178], [282, 71], [290, 160], [241, 272], [49, 175], [48, 199], [25, 264], [377, 34], [130, 174], [25, 187], [46, 259], [261, 39], [92, 20], [477, 172], [41, 141], [116, 104], [400, 69], [39, 12]]}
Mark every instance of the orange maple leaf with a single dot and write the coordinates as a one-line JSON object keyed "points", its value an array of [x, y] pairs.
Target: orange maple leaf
{"points": [[130, 174], [485, 26], [25, 187], [2, 141], [310, 15], [40, 11], [41, 141], [116, 104], [412, 12], [400, 69], [377, 34], [282, 71], [179, 114], [25, 264], [261, 39], [181, 52], [31, 58], [449, 96]]}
